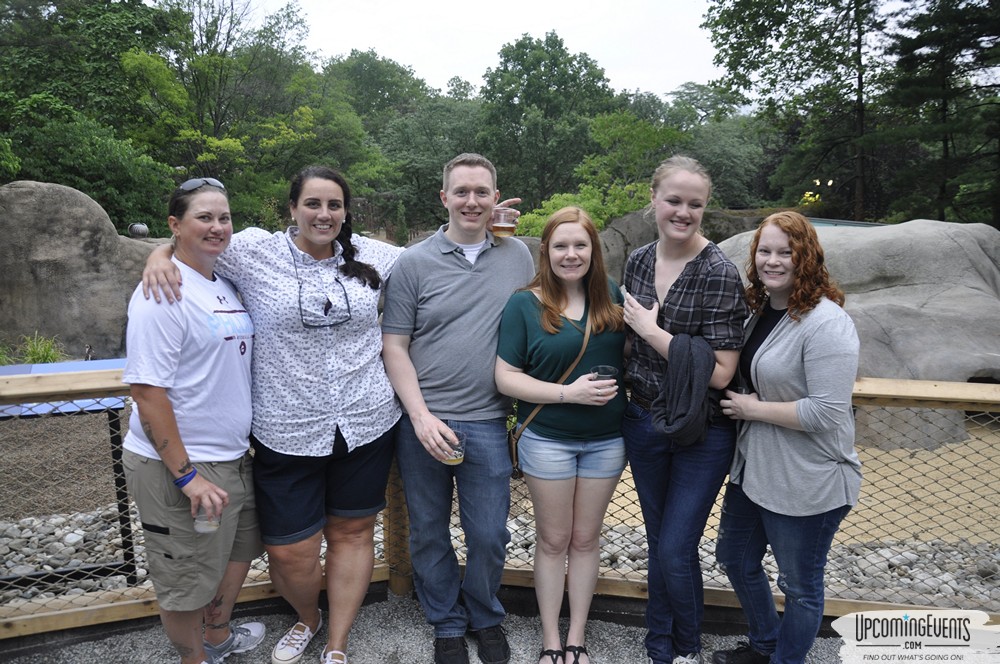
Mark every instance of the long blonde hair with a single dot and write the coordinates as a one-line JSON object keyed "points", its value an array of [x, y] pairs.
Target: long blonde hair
{"points": [[605, 313]]}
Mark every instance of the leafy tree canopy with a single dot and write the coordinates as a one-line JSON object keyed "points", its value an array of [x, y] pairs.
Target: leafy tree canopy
{"points": [[537, 105]]}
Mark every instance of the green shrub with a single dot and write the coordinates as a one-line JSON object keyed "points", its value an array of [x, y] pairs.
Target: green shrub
{"points": [[602, 206], [37, 349], [6, 355]]}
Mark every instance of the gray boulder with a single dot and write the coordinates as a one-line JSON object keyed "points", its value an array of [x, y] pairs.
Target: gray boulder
{"points": [[623, 236], [67, 272]]}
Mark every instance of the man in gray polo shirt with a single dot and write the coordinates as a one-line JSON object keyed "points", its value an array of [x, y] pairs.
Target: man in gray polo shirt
{"points": [[440, 327]]}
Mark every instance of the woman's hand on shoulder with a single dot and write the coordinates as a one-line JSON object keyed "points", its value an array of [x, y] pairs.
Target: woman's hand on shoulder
{"points": [[161, 276]]}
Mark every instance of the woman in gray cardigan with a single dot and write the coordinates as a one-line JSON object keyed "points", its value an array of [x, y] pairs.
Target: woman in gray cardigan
{"points": [[795, 474]]}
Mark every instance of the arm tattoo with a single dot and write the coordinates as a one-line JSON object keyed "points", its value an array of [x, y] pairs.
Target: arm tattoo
{"points": [[186, 467], [147, 429]]}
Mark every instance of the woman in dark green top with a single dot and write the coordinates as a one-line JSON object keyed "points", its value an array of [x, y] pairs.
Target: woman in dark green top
{"points": [[572, 452]]}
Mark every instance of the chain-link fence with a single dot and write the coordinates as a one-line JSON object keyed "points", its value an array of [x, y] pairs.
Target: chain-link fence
{"points": [[925, 531]]}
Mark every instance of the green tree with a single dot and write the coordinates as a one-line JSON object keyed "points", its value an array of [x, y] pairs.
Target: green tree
{"points": [[537, 106], [419, 144], [695, 104], [460, 89], [60, 146], [806, 52], [71, 49], [165, 108], [819, 146], [603, 204], [232, 72], [9, 162], [276, 71], [378, 88], [644, 105], [628, 149], [946, 81], [732, 149]]}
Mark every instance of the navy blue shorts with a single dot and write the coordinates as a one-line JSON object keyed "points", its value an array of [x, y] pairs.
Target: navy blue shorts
{"points": [[296, 493]]}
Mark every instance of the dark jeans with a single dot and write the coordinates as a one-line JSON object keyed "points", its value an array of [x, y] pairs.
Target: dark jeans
{"points": [[452, 603], [677, 487], [800, 545]]}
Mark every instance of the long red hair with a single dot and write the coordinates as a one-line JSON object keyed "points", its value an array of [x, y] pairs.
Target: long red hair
{"points": [[605, 313], [812, 280]]}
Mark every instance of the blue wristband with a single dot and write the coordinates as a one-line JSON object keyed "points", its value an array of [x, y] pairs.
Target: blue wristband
{"points": [[183, 480]]}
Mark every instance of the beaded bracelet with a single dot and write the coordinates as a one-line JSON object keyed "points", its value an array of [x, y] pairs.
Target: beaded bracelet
{"points": [[183, 480]]}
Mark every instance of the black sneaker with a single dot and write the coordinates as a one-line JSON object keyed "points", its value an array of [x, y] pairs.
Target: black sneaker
{"points": [[451, 650], [741, 654], [493, 646]]}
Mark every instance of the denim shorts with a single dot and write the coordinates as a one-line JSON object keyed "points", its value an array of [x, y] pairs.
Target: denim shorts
{"points": [[551, 459], [296, 493]]}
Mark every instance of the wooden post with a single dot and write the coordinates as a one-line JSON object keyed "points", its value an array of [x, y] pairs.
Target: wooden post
{"points": [[396, 530]]}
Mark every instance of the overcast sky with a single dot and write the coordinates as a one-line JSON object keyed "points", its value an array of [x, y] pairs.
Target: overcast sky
{"points": [[651, 45]]}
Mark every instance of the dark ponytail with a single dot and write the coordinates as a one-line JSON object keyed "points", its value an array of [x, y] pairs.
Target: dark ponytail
{"points": [[354, 268], [351, 267]]}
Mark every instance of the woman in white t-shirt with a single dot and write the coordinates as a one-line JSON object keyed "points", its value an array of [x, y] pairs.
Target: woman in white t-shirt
{"points": [[323, 409], [186, 456]]}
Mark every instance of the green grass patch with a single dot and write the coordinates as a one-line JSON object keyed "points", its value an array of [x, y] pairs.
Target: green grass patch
{"points": [[33, 349]]}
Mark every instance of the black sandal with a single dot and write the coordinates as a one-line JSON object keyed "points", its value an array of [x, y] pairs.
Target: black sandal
{"points": [[554, 655], [576, 652]]}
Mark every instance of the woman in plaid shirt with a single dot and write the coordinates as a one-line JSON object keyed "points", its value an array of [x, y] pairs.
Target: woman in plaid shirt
{"points": [[679, 284]]}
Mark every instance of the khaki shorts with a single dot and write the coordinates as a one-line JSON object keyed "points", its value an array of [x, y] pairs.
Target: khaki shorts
{"points": [[186, 567]]}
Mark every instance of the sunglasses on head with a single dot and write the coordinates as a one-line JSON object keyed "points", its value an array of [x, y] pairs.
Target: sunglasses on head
{"points": [[195, 183]]}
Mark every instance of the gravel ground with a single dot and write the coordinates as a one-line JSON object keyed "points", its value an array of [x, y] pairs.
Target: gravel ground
{"points": [[387, 632]]}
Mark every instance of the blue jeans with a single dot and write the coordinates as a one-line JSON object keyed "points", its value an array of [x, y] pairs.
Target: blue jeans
{"points": [[800, 545], [677, 487], [452, 604]]}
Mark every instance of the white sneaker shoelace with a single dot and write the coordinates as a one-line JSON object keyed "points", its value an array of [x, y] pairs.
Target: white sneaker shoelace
{"points": [[296, 639]]}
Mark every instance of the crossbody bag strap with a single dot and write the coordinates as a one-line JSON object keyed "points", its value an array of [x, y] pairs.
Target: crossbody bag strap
{"points": [[566, 374]]}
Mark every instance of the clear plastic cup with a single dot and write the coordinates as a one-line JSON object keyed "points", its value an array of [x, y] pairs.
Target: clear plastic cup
{"points": [[504, 221], [604, 372], [457, 450], [204, 524]]}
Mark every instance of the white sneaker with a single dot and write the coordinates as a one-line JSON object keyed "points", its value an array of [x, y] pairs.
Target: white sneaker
{"points": [[290, 647], [693, 658], [333, 657], [241, 639]]}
